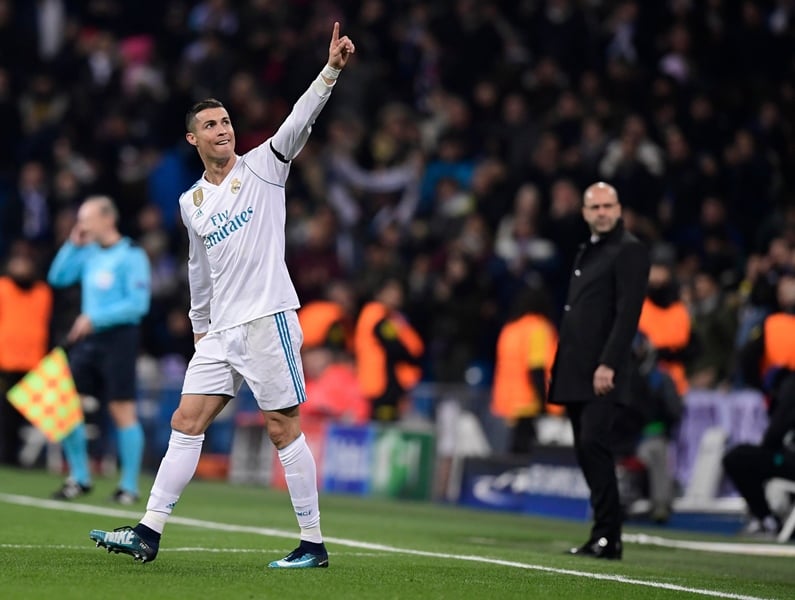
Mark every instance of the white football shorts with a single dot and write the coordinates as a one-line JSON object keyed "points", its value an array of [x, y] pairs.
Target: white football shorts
{"points": [[264, 352]]}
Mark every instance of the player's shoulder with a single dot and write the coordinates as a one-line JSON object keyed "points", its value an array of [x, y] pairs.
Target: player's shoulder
{"points": [[195, 193], [264, 152], [194, 185], [632, 245], [630, 239], [131, 245]]}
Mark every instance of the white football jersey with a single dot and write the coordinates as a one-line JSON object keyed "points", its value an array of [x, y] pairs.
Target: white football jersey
{"points": [[236, 264]]}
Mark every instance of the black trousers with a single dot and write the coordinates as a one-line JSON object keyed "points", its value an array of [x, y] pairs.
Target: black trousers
{"points": [[11, 421], [523, 436], [750, 467], [386, 407], [592, 424]]}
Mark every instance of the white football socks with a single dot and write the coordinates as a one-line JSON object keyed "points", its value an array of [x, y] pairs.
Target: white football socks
{"points": [[175, 472], [301, 475]]}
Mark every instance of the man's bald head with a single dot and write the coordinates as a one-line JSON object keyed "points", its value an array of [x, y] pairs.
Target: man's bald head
{"points": [[104, 206], [600, 190], [601, 208], [98, 219]]}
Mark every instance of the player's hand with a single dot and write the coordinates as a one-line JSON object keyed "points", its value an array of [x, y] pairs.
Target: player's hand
{"points": [[81, 328], [340, 48], [78, 236], [603, 380]]}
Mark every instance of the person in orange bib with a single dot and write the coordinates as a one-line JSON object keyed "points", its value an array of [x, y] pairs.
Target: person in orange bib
{"points": [[327, 356], [25, 311], [665, 321], [525, 352], [388, 352], [328, 322]]}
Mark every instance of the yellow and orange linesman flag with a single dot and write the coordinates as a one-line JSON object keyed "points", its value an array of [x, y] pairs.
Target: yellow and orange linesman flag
{"points": [[47, 397]]}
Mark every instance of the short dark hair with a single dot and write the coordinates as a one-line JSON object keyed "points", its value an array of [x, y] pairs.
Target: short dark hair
{"points": [[198, 107], [533, 298]]}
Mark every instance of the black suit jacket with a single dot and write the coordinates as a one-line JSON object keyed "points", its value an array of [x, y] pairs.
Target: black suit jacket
{"points": [[600, 318]]}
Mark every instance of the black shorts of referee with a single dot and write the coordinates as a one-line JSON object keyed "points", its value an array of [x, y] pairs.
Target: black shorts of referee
{"points": [[103, 363]]}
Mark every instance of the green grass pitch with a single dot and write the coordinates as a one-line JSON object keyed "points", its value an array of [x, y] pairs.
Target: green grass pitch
{"points": [[222, 536]]}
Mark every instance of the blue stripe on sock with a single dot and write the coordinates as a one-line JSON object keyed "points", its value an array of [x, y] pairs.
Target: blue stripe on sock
{"points": [[284, 335]]}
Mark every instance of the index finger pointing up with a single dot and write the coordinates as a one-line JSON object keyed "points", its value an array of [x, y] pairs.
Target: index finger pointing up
{"points": [[335, 35]]}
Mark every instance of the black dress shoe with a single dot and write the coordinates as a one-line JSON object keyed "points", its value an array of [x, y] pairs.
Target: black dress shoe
{"points": [[601, 548]]}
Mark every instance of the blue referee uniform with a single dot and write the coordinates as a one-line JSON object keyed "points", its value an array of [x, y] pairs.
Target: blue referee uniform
{"points": [[115, 281], [116, 290]]}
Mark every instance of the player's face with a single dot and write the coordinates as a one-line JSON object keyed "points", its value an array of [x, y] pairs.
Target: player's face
{"points": [[213, 134], [601, 210]]}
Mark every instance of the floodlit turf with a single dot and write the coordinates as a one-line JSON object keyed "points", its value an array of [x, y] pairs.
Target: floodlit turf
{"points": [[45, 553]]}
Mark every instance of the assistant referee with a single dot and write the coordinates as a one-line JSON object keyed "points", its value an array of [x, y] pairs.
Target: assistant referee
{"points": [[116, 286]]}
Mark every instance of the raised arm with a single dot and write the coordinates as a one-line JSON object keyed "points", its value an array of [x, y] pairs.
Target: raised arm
{"points": [[67, 267], [339, 51], [293, 133]]}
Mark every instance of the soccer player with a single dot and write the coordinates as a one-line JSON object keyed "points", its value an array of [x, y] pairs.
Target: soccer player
{"points": [[243, 309], [115, 287]]}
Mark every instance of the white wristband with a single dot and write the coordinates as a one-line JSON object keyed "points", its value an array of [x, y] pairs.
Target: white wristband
{"points": [[330, 72]]}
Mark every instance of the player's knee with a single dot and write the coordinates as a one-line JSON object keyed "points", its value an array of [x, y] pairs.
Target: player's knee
{"points": [[186, 424], [282, 433]]}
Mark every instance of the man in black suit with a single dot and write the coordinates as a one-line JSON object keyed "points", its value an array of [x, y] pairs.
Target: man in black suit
{"points": [[591, 372]]}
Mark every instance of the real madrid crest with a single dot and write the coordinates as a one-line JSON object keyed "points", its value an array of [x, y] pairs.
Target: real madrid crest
{"points": [[235, 186], [198, 197]]}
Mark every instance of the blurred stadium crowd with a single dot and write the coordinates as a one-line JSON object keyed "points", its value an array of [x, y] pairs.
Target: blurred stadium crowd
{"points": [[453, 152]]}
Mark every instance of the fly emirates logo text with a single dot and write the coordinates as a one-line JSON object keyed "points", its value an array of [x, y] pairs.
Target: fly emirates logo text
{"points": [[226, 225]]}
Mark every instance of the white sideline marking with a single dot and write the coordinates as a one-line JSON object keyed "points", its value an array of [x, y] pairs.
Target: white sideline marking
{"points": [[280, 533], [781, 550]]}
